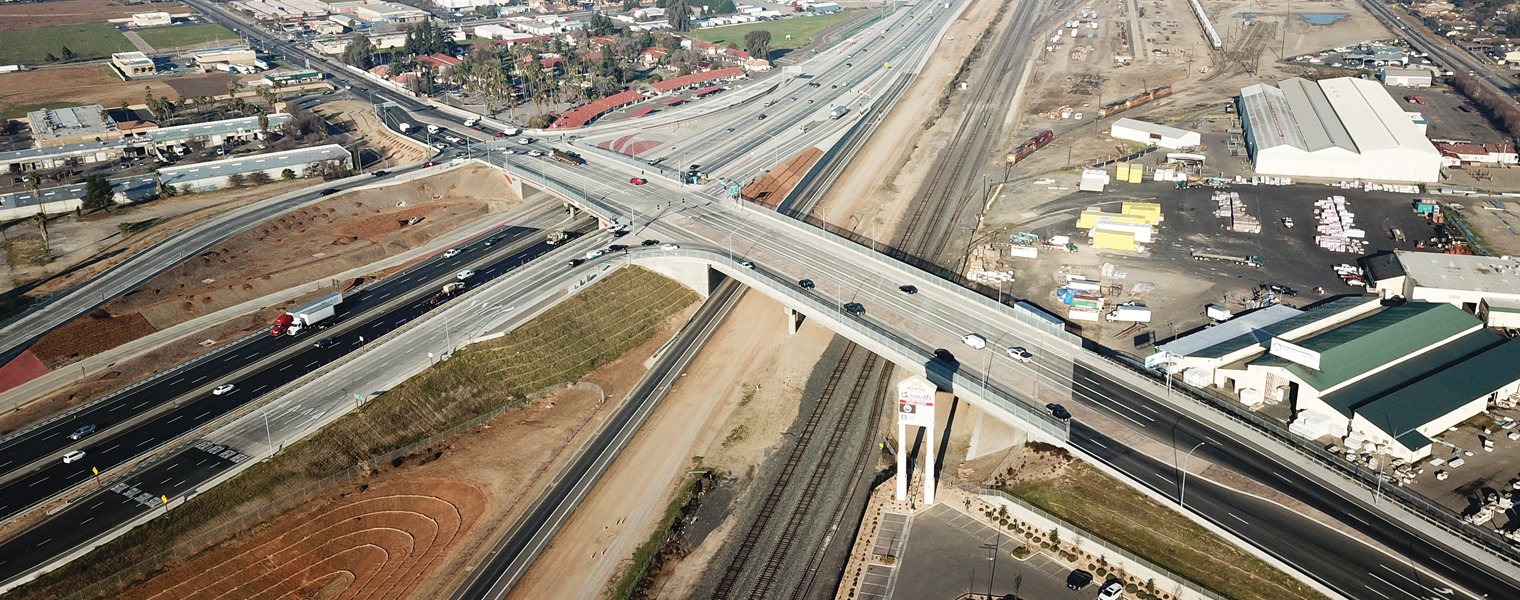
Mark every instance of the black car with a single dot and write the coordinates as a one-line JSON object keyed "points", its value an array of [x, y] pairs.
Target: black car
{"points": [[855, 308], [616, 248], [325, 343], [944, 355], [576, 262], [329, 191], [492, 240], [806, 284], [1078, 579], [380, 173], [762, 116], [650, 243], [1060, 412], [908, 289]]}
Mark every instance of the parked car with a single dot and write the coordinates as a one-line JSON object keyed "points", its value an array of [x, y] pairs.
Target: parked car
{"points": [[1078, 579], [1288, 222], [451, 253], [1112, 589], [223, 389], [82, 431], [73, 456]]}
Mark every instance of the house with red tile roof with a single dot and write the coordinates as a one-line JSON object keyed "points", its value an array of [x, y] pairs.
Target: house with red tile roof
{"points": [[704, 78]]}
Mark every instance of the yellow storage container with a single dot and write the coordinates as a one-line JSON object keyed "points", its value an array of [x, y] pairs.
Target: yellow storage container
{"points": [[1136, 173], [1123, 172], [1115, 240]]}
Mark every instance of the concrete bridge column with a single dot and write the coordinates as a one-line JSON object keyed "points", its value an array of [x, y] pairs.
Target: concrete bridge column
{"points": [[794, 319]]}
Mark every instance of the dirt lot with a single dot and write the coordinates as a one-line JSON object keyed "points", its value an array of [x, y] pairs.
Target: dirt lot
{"points": [[358, 119], [749, 378], [884, 177], [410, 531], [84, 84], [31, 15], [306, 245]]}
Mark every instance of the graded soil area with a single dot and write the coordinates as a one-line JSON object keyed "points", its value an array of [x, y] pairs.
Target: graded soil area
{"points": [[727, 413], [30, 15], [358, 119], [296, 248], [81, 85], [413, 527]]}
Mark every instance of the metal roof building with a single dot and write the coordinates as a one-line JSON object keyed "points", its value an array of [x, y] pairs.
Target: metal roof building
{"points": [[1462, 280], [1342, 128], [212, 175], [1151, 133]]}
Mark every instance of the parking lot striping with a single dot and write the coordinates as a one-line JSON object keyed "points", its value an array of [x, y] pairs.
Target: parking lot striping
{"points": [[1237, 518]]}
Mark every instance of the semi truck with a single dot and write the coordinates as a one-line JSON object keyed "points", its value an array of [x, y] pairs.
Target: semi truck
{"points": [[1249, 260], [555, 237], [1133, 313], [449, 290], [839, 111], [432, 129], [308, 315], [569, 158]]}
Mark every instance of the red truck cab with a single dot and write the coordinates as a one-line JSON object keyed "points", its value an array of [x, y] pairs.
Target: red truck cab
{"points": [[280, 323]]}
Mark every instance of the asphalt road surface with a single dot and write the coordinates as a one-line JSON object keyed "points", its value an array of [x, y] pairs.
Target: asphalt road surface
{"points": [[117, 448]]}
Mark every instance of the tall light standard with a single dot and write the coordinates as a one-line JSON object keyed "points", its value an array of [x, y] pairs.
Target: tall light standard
{"points": [[825, 217], [994, 548], [1182, 495]]}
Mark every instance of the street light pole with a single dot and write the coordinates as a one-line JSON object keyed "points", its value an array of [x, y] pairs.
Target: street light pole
{"points": [[1182, 495]]}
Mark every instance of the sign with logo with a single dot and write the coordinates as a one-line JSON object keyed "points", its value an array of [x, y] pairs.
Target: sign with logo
{"points": [[915, 402], [733, 190], [1155, 360], [1294, 352]]}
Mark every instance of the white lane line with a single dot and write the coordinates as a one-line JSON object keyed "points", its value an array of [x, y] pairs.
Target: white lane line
{"points": [[113, 447], [1390, 584], [199, 379], [39, 544], [1279, 476], [176, 382], [145, 403], [1100, 444], [1375, 591], [38, 481], [1237, 518], [144, 442], [203, 414], [287, 366], [87, 520]]}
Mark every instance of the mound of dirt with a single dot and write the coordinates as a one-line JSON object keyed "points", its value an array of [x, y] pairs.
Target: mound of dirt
{"points": [[96, 332]]}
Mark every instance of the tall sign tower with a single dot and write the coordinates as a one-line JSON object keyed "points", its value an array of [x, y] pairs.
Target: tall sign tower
{"points": [[915, 407]]}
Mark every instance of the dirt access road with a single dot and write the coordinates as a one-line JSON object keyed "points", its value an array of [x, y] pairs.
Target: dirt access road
{"points": [[358, 119]]}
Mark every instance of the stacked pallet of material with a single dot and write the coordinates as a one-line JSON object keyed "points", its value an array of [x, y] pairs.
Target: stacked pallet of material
{"points": [[1136, 173], [1121, 171], [1151, 211], [1114, 240], [1231, 207], [1335, 228]]}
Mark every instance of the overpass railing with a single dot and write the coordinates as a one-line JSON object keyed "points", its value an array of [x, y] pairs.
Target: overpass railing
{"points": [[910, 353]]}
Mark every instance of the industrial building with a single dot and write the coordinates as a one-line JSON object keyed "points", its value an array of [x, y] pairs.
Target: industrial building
{"points": [[75, 125], [235, 55], [152, 19], [1462, 280], [1341, 128], [213, 175], [69, 198], [1151, 133], [132, 64], [1405, 77], [1391, 378]]}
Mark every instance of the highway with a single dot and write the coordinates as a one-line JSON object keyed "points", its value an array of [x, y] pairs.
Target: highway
{"points": [[940, 315], [1453, 59], [183, 403]]}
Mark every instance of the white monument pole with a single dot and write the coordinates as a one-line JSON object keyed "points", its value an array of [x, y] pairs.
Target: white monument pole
{"points": [[915, 406]]}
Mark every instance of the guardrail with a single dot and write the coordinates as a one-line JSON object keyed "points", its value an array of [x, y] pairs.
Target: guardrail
{"points": [[1433, 513]]}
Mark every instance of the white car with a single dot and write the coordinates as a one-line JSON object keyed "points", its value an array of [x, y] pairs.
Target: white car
{"points": [[465, 274], [593, 254], [439, 146], [535, 153], [1018, 353], [223, 389], [451, 253], [670, 247], [747, 265], [524, 140], [73, 456], [1112, 590]]}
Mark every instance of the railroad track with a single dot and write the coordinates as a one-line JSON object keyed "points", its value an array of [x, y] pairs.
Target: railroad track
{"points": [[725, 589]]}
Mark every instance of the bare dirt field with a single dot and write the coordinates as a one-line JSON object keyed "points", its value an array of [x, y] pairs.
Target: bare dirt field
{"points": [[206, 84], [30, 15], [82, 247], [84, 84], [749, 379], [885, 176], [299, 247], [358, 118], [413, 529]]}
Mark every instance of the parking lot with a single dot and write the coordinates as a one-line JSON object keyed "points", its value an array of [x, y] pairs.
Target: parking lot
{"points": [[949, 554], [1444, 110]]}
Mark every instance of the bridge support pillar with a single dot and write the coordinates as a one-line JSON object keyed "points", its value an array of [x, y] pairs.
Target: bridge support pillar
{"points": [[794, 320]]}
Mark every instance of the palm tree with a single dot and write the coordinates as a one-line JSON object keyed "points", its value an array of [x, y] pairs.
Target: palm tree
{"points": [[33, 180]]}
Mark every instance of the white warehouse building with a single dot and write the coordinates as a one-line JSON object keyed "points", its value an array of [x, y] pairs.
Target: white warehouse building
{"points": [[1343, 128], [1151, 133]]}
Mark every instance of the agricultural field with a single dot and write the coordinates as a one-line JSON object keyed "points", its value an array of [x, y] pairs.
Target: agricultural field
{"points": [[165, 38], [31, 15], [802, 30], [88, 40]]}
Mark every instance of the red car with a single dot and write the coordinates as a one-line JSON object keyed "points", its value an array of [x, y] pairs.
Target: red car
{"points": [[500, 134], [429, 164], [1419, 100], [638, 181]]}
